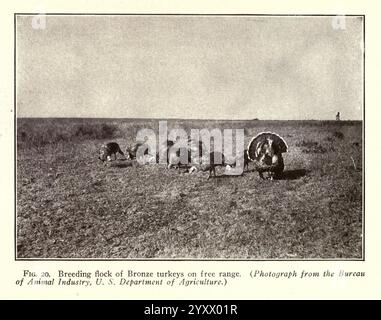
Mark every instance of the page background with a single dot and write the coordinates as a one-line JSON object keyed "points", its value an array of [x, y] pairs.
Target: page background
{"points": [[354, 288]]}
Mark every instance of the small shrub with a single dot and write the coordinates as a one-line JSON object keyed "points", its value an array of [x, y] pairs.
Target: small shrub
{"points": [[338, 135], [351, 194], [39, 134], [23, 136], [307, 143], [95, 131], [108, 131], [315, 149], [310, 146]]}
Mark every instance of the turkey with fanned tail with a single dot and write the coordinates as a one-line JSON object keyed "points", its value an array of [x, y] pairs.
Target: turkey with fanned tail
{"points": [[265, 151]]}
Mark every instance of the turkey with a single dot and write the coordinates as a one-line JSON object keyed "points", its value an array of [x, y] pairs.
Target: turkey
{"points": [[132, 150], [265, 151], [107, 150], [192, 152]]}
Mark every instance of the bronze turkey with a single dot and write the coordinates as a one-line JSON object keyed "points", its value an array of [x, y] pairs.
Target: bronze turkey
{"points": [[265, 151]]}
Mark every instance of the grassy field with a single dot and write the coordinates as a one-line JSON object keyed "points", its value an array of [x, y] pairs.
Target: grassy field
{"points": [[71, 206]]}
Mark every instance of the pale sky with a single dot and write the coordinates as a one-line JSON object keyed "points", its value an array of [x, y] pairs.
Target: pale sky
{"points": [[215, 67]]}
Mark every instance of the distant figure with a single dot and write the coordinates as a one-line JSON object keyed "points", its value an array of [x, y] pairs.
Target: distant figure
{"points": [[338, 116]]}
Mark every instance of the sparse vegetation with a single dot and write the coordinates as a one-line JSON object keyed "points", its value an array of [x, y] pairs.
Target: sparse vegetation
{"points": [[338, 135], [308, 144], [33, 132], [71, 206], [314, 147]]}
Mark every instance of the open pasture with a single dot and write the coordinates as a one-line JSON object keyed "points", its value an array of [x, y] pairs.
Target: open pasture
{"points": [[71, 206]]}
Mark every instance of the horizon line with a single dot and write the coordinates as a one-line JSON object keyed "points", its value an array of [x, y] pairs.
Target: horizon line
{"points": [[198, 119]]}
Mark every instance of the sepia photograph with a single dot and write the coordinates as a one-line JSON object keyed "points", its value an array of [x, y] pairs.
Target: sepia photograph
{"points": [[189, 137]]}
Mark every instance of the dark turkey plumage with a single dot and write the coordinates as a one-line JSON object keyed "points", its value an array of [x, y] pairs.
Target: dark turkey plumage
{"points": [[265, 151]]}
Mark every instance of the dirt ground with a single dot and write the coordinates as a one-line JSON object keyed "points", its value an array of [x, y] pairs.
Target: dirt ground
{"points": [[69, 205]]}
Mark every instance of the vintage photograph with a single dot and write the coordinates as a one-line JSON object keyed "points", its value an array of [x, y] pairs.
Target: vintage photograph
{"points": [[189, 137]]}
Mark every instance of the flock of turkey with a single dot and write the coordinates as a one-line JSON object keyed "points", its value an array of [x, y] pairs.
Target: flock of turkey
{"points": [[264, 151]]}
